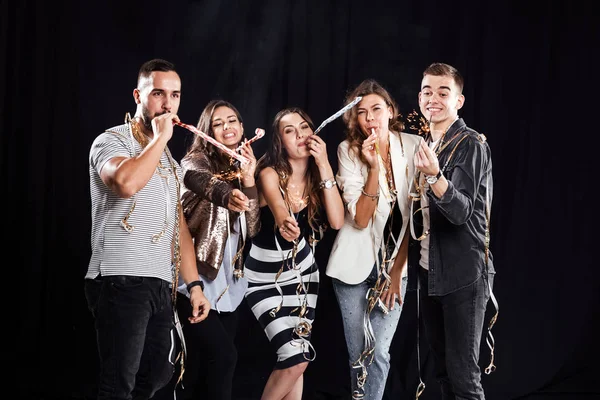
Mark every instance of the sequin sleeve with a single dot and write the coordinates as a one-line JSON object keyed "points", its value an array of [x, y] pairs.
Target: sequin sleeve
{"points": [[200, 179], [252, 216]]}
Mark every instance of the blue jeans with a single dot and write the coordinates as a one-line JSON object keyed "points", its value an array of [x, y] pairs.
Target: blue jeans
{"points": [[134, 331], [353, 306], [453, 327]]}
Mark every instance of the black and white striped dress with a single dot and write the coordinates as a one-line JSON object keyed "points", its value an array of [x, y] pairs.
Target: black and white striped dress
{"points": [[286, 328]]}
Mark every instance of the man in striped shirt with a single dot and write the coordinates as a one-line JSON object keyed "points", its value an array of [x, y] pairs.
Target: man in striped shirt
{"points": [[141, 245]]}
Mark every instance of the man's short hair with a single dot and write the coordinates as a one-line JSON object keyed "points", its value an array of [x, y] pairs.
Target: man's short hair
{"points": [[157, 64]]}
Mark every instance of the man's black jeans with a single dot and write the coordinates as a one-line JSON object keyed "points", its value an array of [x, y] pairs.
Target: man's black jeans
{"points": [[453, 327], [134, 331]]}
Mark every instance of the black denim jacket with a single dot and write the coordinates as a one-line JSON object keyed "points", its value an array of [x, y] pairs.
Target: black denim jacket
{"points": [[458, 219]]}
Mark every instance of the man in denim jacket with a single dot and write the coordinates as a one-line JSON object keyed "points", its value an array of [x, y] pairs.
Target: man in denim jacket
{"points": [[453, 194]]}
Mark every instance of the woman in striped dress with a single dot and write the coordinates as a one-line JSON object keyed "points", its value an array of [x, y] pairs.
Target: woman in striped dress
{"points": [[298, 199]]}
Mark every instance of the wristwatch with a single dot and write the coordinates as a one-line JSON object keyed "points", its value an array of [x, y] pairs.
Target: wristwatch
{"points": [[195, 283], [431, 179], [327, 184]]}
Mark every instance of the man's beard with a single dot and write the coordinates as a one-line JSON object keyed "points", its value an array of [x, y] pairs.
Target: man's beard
{"points": [[147, 118]]}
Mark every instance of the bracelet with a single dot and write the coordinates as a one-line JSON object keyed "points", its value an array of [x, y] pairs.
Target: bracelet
{"points": [[195, 283], [371, 196]]}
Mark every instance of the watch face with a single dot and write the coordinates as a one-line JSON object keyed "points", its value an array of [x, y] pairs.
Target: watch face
{"points": [[432, 179], [328, 184]]}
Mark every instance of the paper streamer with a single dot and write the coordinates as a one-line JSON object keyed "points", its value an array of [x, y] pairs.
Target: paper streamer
{"points": [[219, 145], [257, 135], [337, 114]]}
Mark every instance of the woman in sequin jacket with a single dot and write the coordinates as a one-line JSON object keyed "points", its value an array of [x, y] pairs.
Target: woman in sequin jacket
{"points": [[220, 204]]}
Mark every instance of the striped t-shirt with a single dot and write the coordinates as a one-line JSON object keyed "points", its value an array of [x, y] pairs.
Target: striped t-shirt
{"points": [[114, 250]]}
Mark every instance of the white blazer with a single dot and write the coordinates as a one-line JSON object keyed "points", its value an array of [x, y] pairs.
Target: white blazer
{"points": [[354, 250]]}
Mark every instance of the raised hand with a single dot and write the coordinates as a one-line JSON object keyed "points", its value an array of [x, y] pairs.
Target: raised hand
{"points": [[318, 149], [248, 169], [369, 150], [426, 160], [162, 125]]}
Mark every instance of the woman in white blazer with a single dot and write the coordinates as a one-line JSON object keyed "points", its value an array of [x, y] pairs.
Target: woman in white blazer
{"points": [[368, 262]]}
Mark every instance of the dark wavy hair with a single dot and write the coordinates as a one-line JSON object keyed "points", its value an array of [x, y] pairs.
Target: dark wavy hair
{"points": [[220, 160], [277, 156], [354, 134]]}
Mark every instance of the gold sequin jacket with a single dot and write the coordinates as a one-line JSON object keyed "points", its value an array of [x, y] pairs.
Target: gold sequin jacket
{"points": [[204, 198]]}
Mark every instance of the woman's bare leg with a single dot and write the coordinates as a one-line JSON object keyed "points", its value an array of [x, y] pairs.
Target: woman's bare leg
{"points": [[296, 392], [284, 382]]}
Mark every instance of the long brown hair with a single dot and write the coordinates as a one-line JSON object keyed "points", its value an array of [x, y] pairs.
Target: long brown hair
{"points": [[354, 135], [277, 156], [220, 161]]}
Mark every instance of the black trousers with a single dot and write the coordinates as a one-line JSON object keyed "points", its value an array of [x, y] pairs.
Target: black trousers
{"points": [[211, 356], [454, 327], [133, 317]]}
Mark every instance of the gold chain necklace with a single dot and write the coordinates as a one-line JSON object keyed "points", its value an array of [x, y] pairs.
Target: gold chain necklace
{"points": [[384, 281], [163, 172], [389, 171], [143, 141], [296, 201], [438, 146]]}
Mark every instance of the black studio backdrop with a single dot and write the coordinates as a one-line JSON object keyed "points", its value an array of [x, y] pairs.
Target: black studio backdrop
{"points": [[67, 73]]}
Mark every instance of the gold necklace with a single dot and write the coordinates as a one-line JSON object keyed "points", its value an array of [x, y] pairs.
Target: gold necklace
{"points": [[296, 199], [176, 240], [438, 147], [389, 171], [143, 141]]}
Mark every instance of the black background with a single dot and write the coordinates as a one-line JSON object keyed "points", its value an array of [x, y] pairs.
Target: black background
{"points": [[67, 73]]}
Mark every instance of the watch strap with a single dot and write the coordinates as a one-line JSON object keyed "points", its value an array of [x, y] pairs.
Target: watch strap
{"points": [[323, 183], [195, 283], [431, 179]]}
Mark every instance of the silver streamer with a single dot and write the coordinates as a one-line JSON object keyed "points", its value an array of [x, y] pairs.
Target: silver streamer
{"points": [[337, 114]]}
